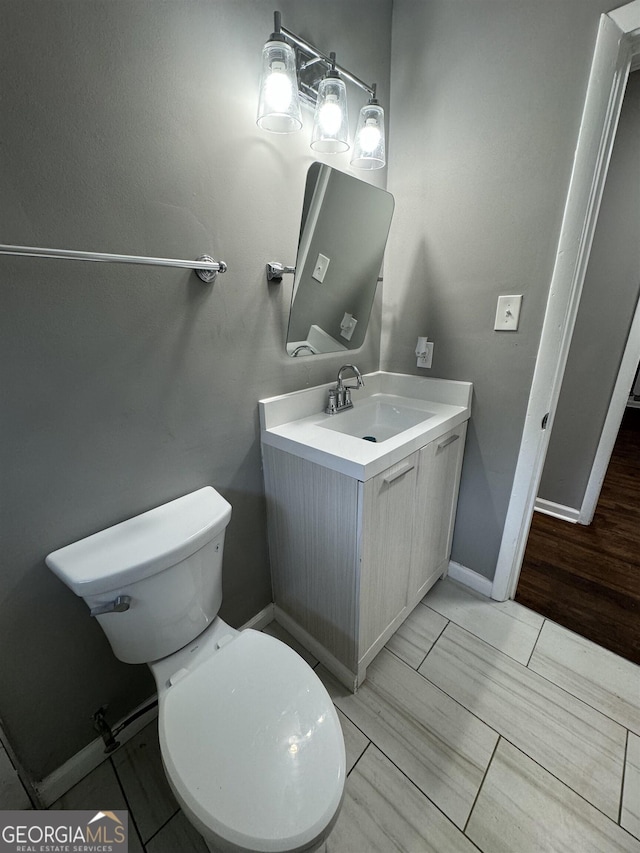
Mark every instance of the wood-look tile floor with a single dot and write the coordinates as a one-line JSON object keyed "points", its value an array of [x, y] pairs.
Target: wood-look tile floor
{"points": [[587, 578], [481, 726]]}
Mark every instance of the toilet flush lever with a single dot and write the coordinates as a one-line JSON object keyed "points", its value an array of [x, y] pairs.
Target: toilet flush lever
{"points": [[119, 604]]}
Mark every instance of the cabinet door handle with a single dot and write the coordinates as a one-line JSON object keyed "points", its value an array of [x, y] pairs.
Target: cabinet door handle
{"points": [[399, 473], [448, 441]]}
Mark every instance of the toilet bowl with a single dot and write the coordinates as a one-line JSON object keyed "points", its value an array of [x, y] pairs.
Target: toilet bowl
{"points": [[250, 740]]}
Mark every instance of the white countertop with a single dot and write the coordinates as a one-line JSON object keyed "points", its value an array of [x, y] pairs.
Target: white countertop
{"points": [[294, 422]]}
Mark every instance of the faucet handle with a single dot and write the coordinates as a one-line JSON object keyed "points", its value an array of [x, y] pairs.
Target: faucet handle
{"points": [[332, 405]]}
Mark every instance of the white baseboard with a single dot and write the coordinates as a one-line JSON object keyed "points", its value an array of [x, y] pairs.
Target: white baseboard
{"points": [[469, 578], [89, 757], [79, 765], [344, 675], [261, 619], [566, 513]]}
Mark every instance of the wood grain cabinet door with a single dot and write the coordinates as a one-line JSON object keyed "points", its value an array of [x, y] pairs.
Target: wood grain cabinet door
{"points": [[438, 479], [386, 504]]}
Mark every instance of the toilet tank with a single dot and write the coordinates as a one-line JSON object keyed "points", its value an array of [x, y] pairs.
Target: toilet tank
{"points": [[168, 561]]}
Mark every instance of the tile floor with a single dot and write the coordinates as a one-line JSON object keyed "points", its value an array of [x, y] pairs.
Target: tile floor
{"points": [[481, 726]]}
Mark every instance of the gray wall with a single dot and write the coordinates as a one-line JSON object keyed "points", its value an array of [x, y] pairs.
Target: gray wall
{"points": [[130, 127], [606, 310], [487, 98]]}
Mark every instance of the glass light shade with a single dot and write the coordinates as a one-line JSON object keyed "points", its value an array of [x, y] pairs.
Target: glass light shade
{"points": [[369, 144], [331, 122], [279, 106]]}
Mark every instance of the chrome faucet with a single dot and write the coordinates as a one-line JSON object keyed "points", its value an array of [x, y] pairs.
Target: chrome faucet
{"points": [[340, 396], [299, 349]]}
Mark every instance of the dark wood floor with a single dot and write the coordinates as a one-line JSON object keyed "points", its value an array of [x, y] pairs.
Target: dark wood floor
{"points": [[587, 578]]}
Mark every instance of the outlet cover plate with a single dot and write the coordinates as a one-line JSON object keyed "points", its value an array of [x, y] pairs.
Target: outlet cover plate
{"points": [[426, 360]]}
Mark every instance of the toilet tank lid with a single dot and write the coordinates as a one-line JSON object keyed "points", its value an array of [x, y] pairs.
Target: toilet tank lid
{"points": [[141, 546]]}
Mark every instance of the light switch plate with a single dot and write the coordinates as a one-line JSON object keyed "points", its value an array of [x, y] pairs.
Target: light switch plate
{"points": [[320, 268], [508, 313]]}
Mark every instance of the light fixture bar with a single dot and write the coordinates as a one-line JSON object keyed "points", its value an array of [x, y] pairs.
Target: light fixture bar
{"points": [[313, 51]]}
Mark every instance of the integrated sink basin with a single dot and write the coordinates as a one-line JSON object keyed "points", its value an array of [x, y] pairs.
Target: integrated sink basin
{"points": [[392, 415], [377, 418]]}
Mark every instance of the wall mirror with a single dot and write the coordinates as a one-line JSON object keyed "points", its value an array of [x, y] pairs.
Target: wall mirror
{"points": [[343, 234]]}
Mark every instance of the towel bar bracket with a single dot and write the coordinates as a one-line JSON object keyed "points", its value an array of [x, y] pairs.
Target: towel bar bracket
{"points": [[209, 275], [275, 271]]}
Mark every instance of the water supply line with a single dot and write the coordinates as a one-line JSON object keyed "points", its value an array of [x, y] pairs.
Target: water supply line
{"points": [[108, 734]]}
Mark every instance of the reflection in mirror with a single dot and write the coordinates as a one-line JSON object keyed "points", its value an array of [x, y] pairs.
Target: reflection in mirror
{"points": [[345, 224]]}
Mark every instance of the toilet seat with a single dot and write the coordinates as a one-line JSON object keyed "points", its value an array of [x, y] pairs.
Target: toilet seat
{"points": [[252, 747]]}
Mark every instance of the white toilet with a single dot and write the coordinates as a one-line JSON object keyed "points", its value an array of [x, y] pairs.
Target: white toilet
{"points": [[251, 743]]}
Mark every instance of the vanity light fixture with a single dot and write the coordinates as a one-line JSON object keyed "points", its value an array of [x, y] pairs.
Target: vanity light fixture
{"points": [[294, 71]]}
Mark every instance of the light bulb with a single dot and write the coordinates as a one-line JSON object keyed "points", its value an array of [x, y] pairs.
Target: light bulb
{"points": [[278, 89], [369, 136], [330, 117]]}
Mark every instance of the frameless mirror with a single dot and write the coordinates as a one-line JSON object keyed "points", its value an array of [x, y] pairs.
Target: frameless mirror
{"points": [[345, 224]]}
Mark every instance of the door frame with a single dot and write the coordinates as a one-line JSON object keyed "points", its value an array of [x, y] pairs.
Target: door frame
{"points": [[617, 43], [615, 413]]}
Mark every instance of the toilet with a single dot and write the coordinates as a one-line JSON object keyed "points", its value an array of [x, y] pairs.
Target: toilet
{"points": [[250, 740]]}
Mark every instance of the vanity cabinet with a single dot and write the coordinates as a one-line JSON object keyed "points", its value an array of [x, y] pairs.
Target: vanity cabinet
{"points": [[351, 559]]}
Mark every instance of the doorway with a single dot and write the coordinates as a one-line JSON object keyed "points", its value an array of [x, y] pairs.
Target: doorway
{"points": [[605, 344], [617, 47], [586, 575]]}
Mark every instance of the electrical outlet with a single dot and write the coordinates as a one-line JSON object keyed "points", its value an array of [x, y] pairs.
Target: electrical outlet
{"points": [[508, 313], [347, 327], [426, 359]]}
